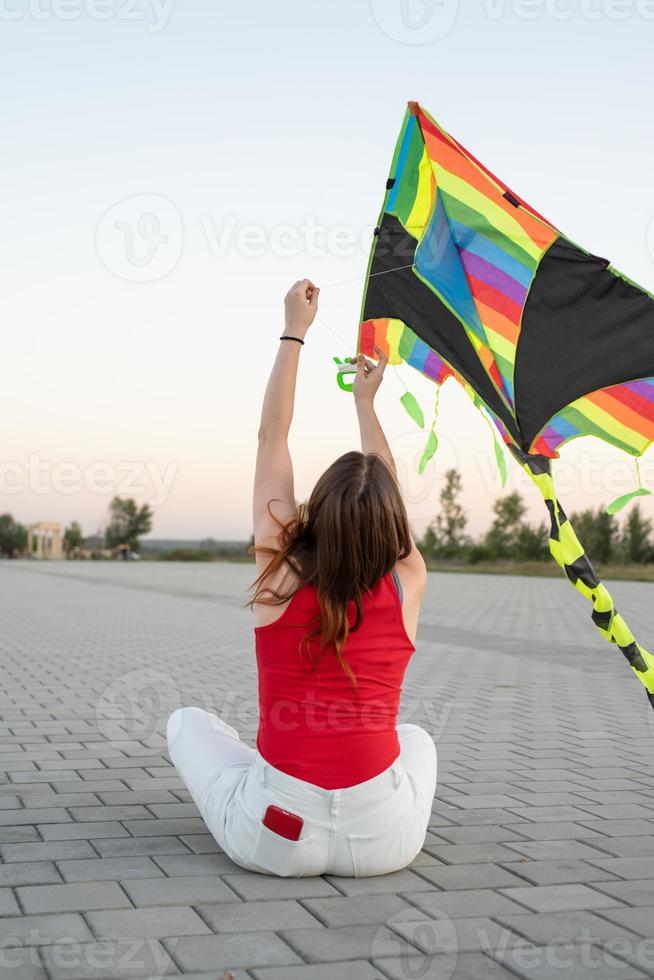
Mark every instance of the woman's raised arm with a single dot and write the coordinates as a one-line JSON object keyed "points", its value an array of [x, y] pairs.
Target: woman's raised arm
{"points": [[273, 479]]}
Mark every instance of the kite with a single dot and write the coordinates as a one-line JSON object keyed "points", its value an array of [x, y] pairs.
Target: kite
{"points": [[466, 280]]}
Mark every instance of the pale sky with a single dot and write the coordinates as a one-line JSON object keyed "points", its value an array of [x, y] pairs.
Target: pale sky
{"points": [[168, 171]]}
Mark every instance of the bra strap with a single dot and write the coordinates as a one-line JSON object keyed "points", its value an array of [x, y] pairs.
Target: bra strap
{"points": [[398, 585]]}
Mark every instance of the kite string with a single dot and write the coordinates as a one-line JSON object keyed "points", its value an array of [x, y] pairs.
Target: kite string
{"points": [[343, 282], [384, 272]]}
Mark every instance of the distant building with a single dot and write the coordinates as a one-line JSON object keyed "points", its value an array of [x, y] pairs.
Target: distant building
{"points": [[45, 539]]}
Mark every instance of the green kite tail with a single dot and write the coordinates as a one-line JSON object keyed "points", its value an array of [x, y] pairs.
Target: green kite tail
{"points": [[569, 554]]}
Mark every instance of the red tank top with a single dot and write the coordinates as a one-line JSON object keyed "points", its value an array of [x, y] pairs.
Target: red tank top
{"points": [[313, 723]]}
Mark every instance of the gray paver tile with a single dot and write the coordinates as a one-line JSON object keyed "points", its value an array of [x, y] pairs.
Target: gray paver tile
{"points": [[489, 834], [398, 881], [133, 846], [629, 846], [553, 850], [556, 830], [72, 898], [91, 813], [559, 871], [109, 869], [343, 911], [468, 966], [465, 904], [471, 853], [342, 942], [39, 930], [8, 905], [59, 850], [13, 818], [19, 833], [632, 892], [638, 920], [621, 828], [157, 828], [257, 916], [81, 831], [559, 898], [178, 891], [229, 950], [176, 865], [253, 887], [200, 843], [564, 927], [28, 873], [471, 876], [350, 970], [151, 922], [626, 867]]}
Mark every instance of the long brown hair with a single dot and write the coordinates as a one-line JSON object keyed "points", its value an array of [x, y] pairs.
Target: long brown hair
{"points": [[350, 533]]}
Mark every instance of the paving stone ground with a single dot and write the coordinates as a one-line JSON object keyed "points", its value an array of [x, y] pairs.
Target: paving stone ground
{"points": [[539, 861]]}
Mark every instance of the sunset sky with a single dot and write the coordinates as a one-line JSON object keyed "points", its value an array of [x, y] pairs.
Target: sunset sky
{"points": [[168, 171]]}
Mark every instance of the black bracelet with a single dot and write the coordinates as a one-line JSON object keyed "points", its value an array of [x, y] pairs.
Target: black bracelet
{"points": [[292, 338]]}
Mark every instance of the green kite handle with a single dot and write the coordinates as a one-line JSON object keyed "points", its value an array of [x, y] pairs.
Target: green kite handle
{"points": [[344, 367]]}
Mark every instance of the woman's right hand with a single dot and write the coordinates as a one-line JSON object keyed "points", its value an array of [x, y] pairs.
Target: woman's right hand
{"points": [[301, 306], [369, 377]]}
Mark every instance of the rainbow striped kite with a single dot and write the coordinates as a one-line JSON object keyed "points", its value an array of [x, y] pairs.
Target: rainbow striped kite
{"points": [[466, 280]]}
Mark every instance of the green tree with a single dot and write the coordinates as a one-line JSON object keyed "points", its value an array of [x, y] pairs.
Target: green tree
{"points": [[127, 522], [445, 537], [73, 537], [502, 539], [597, 532], [13, 537], [429, 543], [636, 540], [532, 543]]}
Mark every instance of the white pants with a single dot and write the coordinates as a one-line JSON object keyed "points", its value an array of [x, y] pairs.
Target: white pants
{"points": [[372, 828]]}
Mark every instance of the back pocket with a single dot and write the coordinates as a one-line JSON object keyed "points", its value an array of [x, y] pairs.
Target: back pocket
{"points": [[383, 852], [276, 855]]}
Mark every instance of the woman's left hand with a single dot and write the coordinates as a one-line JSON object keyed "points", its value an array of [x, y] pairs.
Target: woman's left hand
{"points": [[301, 305]]}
